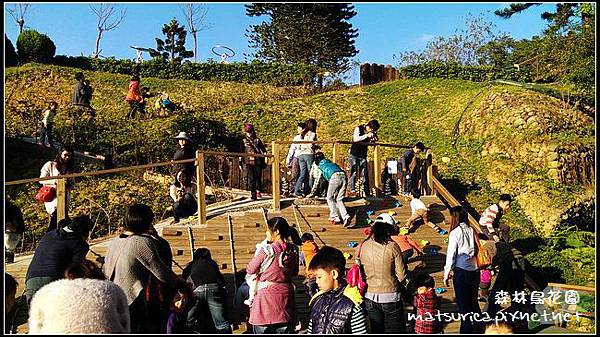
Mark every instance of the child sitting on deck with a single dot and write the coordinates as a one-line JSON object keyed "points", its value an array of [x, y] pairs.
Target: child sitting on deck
{"points": [[308, 250]]}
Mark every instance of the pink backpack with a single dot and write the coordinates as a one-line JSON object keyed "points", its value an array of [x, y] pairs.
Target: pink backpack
{"points": [[485, 276], [355, 276]]}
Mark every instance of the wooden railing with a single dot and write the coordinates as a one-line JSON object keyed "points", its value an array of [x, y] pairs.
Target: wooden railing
{"points": [[442, 192], [199, 162], [560, 286]]}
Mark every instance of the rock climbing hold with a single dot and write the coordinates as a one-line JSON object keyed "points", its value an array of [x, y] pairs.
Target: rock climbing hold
{"points": [[347, 256], [403, 231], [392, 213], [369, 213], [398, 204], [443, 232], [424, 243], [352, 244], [369, 221], [440, 290]]}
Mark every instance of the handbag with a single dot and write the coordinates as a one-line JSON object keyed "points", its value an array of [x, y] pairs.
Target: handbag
{"points": [[46, 193], [482, 255], [355, 276]]}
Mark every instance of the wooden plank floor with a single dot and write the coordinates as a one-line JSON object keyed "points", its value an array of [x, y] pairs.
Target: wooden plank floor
{"points": [[249, 229]]}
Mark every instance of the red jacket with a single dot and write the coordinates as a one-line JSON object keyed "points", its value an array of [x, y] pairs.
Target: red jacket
{"points": [[134, 93]]}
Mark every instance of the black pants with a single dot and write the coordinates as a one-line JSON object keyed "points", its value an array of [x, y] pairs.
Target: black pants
{"points": [[407, 183], [466, 286], [386, 317], [143, 320], [254, 179], [185, 207], [135, 107], [53, 222]]}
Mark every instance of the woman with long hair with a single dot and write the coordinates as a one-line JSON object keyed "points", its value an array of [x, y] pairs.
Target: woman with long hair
{"points": [[273, 307], [306, 154], [461, 266], [385, 273], [254, 165], [63, 163]]}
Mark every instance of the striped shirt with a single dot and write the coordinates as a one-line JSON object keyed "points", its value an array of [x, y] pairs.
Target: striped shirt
{"points": [[358, 322], [490, 218]]}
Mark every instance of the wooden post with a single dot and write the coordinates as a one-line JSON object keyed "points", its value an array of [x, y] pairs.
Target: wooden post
{"points": [[61, 200], [377, 168], [191, 241], [232, 250], [429, 161], [275, 178], [201, 187], [335, 153]]}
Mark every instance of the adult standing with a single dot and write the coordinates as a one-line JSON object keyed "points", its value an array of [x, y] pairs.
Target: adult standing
{"points": [[306, 154], [47, 124], [510, 275], [14, 227], [184, 151], [57, 250], [405, 162], [183, 192], [254, 165], [366, 133], [134, 97], [82, 96], [131, 258], [386, 274], [63, 163], [461, 267], [209, 289], [291, 161], [273, 307]]}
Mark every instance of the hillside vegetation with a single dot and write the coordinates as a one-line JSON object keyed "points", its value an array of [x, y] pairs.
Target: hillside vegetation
{"points": [[493, 138]]}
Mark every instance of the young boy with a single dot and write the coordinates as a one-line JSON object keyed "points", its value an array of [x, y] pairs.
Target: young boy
{"points": [[404, 164], [176, 321], [309, 249], [427, 305], [336, 189], [490, 219], [420, 212], [334, 309], [47, 124]]}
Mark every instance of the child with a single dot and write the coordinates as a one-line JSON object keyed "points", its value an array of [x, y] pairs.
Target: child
{"points": [[498, 329], [10, 292], [336, 189], [335, 309], [490, 219], [320, 189], [427, 305], [251, 279], [176, 323], [389, 184], [47, 124], [405, 162], [309, 249], [167, 103], [134, 97], [420, 211]]}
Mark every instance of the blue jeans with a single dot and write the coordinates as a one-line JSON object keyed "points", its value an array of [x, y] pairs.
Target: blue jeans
{"points": [[386, 317], [359, 164], [215, 296], [279, 328], [33, 284], [302, 186], [335, 196], [466, 286]]}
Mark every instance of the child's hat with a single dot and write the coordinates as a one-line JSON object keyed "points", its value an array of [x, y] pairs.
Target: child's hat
{"points": [[387, 218]]}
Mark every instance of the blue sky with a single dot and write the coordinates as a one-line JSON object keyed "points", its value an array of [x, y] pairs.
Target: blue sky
{"points": [[384, 28]]}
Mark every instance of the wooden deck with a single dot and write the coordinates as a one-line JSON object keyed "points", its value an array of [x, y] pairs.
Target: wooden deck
{"points": [[249, 229]]}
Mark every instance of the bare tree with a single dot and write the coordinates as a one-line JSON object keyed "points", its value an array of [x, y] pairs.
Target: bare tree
{"points": [[18, 13], [195, 15], [109, 18]]}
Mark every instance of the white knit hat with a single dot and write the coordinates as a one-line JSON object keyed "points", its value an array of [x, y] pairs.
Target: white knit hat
{"points": [[385, 217], [79, 306]]}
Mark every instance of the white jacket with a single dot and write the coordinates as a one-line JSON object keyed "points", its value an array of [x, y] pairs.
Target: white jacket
{"points": [[79, 306]]}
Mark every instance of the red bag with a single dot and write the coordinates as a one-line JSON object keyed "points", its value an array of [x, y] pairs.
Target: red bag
{"points": [[46, 193], [355, 276]]}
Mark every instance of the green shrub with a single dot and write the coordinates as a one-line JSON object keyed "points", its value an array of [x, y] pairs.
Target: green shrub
{"points": [[10, 56], [461, 72], [35, 47], [254, 72]]}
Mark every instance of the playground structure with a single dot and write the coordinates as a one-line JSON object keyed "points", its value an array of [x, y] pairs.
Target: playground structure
{"points": [[139, 58], [225, 54]]}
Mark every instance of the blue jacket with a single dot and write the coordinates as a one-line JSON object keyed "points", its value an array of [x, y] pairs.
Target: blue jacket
{"points": [[328, 168]]}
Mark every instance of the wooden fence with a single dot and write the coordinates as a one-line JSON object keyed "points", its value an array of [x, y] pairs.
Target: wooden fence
{"points": [[371, 73]]}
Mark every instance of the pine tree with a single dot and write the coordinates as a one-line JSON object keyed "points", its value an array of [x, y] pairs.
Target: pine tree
{"points": [[172, 49], [311, 33]]}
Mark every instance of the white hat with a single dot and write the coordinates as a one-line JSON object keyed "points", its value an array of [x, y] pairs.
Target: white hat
{"points": [[184, 135], [79, 306], [384, 217]]}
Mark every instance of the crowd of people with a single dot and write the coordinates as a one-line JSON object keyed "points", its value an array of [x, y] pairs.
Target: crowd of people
{"points": [[137, 291]]}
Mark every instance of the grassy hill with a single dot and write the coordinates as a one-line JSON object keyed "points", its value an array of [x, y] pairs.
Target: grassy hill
{"points": [[493, 138]]}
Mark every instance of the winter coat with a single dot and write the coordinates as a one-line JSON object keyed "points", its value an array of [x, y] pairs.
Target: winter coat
{"points": [[134, 93], [384, 267]]}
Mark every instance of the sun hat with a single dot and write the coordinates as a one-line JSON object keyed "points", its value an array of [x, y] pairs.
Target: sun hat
{"points": [[387, 218], [184, 135]]}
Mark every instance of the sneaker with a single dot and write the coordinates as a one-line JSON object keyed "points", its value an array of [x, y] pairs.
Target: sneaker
{"points": [[258, 195], [335, 221], [347, 221], [9, 257]]}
